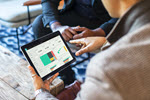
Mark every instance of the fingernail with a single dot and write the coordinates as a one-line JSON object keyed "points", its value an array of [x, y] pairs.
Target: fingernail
{"points": [[57, 73], [29, 67], [77, 54]]}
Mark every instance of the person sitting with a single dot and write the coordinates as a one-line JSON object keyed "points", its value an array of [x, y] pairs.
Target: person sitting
{"points": [[122, 71], [86, 13]]}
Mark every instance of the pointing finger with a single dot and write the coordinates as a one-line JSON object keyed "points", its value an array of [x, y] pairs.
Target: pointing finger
{"points": [[77, 41], [82, 50]]}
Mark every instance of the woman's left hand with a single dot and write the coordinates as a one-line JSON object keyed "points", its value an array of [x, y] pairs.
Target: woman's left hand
{"points": [[38, 82]]}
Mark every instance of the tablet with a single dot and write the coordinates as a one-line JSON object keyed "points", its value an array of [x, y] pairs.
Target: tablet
{"points": [[48, 55]]}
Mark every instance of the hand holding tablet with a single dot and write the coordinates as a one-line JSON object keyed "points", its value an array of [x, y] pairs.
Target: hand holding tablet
{"points": [[48, 55], [39, 83]]}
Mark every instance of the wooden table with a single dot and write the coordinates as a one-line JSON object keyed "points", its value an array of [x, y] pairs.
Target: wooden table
{"points": [[15, 79]]}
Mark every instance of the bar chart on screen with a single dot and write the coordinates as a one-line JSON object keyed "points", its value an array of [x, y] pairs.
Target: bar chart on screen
{"points": [[48, 58]]}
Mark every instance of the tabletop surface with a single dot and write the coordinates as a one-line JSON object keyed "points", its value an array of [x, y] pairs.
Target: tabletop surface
{"points": [[15, 79]]}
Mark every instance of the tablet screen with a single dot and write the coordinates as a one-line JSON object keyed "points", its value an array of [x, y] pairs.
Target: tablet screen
{"points": [[49, 55]]}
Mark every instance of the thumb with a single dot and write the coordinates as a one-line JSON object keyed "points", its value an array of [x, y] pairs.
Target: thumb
{"points": [[52, 78], [83, 50], [32, 71]]}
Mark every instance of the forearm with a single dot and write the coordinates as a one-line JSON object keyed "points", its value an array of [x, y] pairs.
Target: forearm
{"points": [[99, 32], [50, 11], [107, 26]]}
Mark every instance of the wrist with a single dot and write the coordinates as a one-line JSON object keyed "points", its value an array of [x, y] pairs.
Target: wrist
{"points": [[39, 91], [99, 32], [55, 25]]}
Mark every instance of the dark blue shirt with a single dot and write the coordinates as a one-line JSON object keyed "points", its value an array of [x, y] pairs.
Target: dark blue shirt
{"points": [[84, 8], [107, 26]]}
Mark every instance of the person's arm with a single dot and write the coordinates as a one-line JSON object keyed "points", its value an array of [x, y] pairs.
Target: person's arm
{"points": [[107, 26], [51, 18], [103, 30], [50, 11], [41, 87], [121, 72]]}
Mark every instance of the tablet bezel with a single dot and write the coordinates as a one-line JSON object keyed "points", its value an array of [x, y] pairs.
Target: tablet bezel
{"points": [[41, 40]]}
